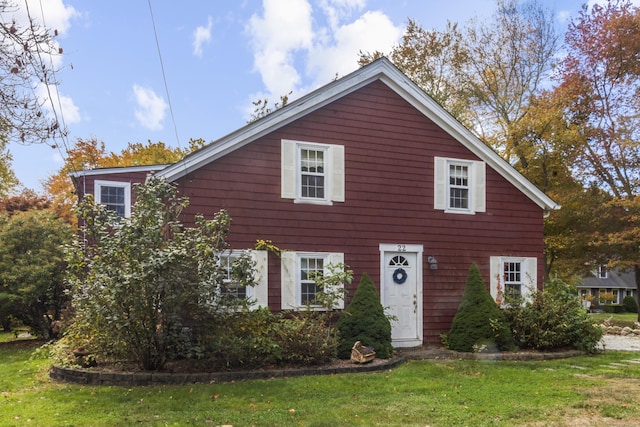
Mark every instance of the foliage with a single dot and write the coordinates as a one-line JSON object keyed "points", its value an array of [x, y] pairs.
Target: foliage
{"points": [[8, 178], [262, 108], [26, 200], [479, 322], [87, 154], [32, 268], [364, 320], [630, 304], [138, 282], [553, 319], [26, 65]]}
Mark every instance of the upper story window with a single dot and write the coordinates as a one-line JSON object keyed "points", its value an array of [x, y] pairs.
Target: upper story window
{"points": [[114, 195], [602, 271], [312, 172], [459, 185]]}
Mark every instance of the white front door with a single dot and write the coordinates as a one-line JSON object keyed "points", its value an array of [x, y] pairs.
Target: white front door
{"points": [[401, 292]]}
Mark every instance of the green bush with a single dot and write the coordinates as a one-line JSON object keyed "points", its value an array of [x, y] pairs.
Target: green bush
{"points": [[479, 321], [364, 320], [305, 340], [613, 308], [554, 319], [630, 305]]}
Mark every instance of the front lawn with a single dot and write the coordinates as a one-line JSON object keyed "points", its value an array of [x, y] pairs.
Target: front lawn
{"points": [[619, 319], [580, 391]]}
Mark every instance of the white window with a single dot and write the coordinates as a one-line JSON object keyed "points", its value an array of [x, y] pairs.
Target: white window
{"points": [[459, 185], [298, 289], [258, 293], [114, 195], [512, 277], [312, 173], [602, 271]]}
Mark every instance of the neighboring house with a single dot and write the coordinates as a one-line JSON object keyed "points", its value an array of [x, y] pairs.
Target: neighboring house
{"points": [[370, 171], [604, 286]]}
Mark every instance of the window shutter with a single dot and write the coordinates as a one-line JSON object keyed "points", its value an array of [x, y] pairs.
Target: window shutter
{"points": [[288, 169], [260, 292], [337, 172], [288, 275], [337, 258], [479, 187], [495, 275], [529, 277], [440, 183]]}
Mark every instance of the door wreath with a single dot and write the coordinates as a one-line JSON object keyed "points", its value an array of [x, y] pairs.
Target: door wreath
{"points": [[399, 276]]}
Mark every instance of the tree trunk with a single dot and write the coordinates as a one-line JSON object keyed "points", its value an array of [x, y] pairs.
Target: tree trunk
{"points": [[636, 270]]}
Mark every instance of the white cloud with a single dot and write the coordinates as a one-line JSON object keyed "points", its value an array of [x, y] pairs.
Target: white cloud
{"points": [[150, 108], [202, 35], [292, 55], [371, 31], [284, 29], [58, 106]]}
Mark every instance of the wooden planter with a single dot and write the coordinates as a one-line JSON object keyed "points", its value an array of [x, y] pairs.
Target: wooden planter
{"points": [[362, 354]]}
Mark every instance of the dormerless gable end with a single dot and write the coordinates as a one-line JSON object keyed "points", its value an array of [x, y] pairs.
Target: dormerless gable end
{"points": [[384, 71]]}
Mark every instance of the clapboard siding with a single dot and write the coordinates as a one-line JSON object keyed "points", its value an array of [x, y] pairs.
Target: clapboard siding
{"points": [[389, 186], [389, 152]]}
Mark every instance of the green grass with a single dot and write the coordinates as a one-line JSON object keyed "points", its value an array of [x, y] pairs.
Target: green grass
{"points": [[434, 393], [620, 319]]}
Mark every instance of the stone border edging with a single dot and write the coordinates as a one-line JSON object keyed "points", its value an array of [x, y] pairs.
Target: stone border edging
{"points": [[92, 377]]}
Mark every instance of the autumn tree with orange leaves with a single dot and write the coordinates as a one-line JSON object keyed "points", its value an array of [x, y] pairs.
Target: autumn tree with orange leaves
{"points": [[91, 154]]}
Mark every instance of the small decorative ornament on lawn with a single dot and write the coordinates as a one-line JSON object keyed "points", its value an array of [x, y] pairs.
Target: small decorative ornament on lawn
{"points": [[399, 276], [362, 354]]}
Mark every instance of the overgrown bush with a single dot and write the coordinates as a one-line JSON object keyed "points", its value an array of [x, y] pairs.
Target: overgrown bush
{"points": [[138, 283], [305, 340], [554, 319], [630, 305], [364, 320], [479, 322]]}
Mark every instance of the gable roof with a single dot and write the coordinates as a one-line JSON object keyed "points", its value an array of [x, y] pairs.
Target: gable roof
{"points": [[616, 278], [383, 70]]}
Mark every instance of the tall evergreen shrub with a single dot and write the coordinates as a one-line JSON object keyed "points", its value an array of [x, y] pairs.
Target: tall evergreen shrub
{"points": [[478, 321], [630, 304], [364, 320]]}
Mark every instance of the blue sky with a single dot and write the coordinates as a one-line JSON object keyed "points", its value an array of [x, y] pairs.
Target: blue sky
{"points": [[218, 57]]}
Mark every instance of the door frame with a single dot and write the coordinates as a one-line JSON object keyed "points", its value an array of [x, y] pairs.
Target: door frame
{"points": [[400, 248]]}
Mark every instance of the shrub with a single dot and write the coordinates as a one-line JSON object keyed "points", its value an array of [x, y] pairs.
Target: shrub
{"points": [[613, 308], [305, 340], [478, 321], [553, 319], [630, 304], [364, 320]]}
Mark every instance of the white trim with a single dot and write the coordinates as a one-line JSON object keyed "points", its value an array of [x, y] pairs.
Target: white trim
{"points": [[291, 298], [97, 192], [126, 169], [476, 175], [386, 72], [290, 174], [419, 251], [529, 274]]}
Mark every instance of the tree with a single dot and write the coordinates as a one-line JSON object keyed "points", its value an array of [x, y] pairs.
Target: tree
{"points": [[435, 61], [364, 320], [26, 52], [478, 321], [91, 154], [137, 282], [8, 179], [32, 268], [599, 83]]}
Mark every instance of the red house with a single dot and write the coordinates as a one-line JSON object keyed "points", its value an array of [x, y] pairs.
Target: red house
{"points": [[370, 171]]}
